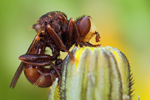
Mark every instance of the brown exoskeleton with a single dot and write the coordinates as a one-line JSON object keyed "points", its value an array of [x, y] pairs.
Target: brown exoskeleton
{"points": [[59, 34]]}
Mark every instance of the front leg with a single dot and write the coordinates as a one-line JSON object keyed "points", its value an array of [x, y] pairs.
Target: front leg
{"points": [[81, 44], [73, 33], [58, 41], [97, 45]]}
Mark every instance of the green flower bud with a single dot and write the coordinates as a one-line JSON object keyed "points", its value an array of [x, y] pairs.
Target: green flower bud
{"points": [[98, 73]]}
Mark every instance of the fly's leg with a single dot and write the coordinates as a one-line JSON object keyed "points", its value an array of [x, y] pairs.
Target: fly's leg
{"points": [[81, 44], [55, 51], [97, 45], [58, 41], [73, 34], [59, 63]]}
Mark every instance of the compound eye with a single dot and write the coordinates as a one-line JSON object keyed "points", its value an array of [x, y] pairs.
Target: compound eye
{"points": [[84, 26]]}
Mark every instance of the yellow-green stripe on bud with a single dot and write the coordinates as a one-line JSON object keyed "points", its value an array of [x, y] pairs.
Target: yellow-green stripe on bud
{"points": [[99, 73]]}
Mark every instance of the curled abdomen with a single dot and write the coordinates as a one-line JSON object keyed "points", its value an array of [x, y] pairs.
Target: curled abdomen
{"points": [[41, 76]]}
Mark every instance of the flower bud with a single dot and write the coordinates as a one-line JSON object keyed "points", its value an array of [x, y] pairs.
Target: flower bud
{"points": [[98, 73]]}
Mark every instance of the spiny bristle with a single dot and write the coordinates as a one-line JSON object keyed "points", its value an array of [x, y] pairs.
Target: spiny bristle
{"points": [[131, 82], [62, 91], [132, 95], [131, 85], [30, 27], [79, 18]]}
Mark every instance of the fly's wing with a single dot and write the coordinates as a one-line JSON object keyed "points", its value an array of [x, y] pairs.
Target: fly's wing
{"points": [[21, 66], [17, 75]]}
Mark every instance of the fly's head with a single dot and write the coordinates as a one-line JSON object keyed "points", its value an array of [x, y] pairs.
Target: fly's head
{"points": [[87, 29]]}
